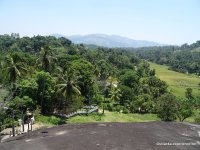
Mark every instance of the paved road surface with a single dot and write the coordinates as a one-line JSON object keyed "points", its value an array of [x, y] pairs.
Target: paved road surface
{"points": [[110, 136]]}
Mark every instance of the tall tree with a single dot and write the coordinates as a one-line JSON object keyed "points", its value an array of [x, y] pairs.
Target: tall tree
{"points": [[45, 89], [13, 68], [68, 87], [115, 95], [46, 56]]}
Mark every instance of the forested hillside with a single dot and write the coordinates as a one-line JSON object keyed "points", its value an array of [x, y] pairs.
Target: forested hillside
{"points": [[183, 58], [54, 75]]}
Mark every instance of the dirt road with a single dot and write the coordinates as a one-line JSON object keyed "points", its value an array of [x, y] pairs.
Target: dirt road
{"points": [[110, 136]]}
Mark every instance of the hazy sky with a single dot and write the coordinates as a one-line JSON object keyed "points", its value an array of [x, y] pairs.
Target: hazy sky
{"points": [[164, 21]]}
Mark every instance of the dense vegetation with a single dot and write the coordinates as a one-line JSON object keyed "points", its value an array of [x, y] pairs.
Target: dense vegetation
{"points": [[183, 58], [57, 76]]}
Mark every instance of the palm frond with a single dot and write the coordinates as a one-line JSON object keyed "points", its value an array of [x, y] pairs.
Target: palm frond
{"points": [[76, 90], [17, 71], [60, 85]]}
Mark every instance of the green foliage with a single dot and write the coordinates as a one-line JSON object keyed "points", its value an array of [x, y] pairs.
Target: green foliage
{"points": [[143, 69], [188, 93], [52, 120], [109, 107], [153, 85], [183, 58], [197, 102], [139, 92], [104, 69], [45, 58], [115, 95], [13, 67], [97, 98], [167, 107], [127, 94], [185, 109], [2, 118], [68, 88], [143, 103], [22, 104], [29, 87], [45, 90], [86, 80], [130, 79], [3, 93], [65, 42], [197, 119], [114, 117], [58, 76]]}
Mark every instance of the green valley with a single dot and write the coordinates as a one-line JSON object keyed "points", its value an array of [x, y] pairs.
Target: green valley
{"points": [[178, 82]]}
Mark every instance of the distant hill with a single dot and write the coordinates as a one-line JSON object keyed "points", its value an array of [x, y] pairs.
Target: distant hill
{"points": [[108, 40]]}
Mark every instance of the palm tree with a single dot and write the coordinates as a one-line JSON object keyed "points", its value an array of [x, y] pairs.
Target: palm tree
{"points": [[115, 94], [69, 87], [13, 68], [46, 56]]}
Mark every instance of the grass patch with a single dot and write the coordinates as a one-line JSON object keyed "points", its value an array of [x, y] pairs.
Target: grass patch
{"points": [[114, 117], [106, 117], [196, 49], [49, 120], [193, 117], [178, 82]]}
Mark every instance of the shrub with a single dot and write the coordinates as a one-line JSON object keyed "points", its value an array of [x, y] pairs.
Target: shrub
{"points": [[167, 107], [197, 119], [22, 104], [109, 107], [144, 103], [96, 116], [185, 109], [125, 110], [50, 120]]}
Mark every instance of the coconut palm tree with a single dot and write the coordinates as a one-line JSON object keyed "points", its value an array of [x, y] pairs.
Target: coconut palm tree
{"points": [[46, 56], [13, 69], [68, 88], [115, 94]]}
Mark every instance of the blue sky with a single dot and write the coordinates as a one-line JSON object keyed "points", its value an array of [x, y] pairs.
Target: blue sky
{"points": [[164, 21]]}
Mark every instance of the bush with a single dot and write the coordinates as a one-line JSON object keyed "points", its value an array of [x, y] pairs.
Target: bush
{"points": [[185, 109], [118, 108], [167, 107], [109, 107], [125, 110], [50, 120], [8, 124], [144, 103], [96, 116], [22, 104], [197, 119]]}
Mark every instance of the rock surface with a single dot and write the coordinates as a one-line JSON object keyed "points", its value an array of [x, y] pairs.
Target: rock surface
{"points": [[110, 136]]}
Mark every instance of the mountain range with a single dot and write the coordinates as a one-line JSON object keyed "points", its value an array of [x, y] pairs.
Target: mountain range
{"points": [[110, 41]]}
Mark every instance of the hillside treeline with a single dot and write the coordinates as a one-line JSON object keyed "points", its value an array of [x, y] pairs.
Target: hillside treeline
{"points": [[183, 58]]}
